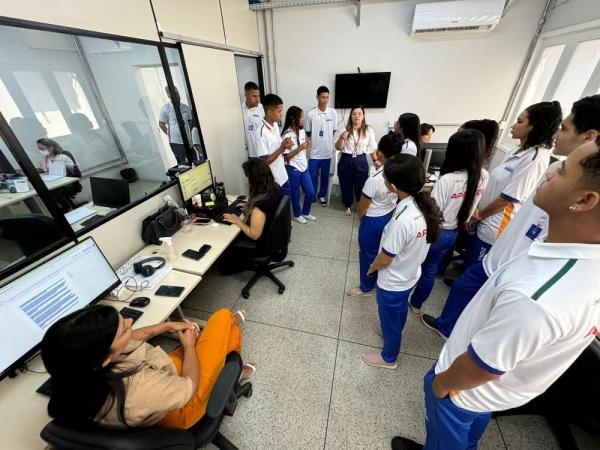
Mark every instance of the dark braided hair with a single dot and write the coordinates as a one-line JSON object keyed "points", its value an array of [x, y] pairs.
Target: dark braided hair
{"points": [[407, 174], [545, 118]]}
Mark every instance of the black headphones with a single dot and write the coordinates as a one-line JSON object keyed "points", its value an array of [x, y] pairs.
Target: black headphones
{"points": [[142, 267]]}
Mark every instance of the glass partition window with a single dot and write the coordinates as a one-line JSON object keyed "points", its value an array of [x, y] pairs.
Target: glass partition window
{"points": [[94, 111]]}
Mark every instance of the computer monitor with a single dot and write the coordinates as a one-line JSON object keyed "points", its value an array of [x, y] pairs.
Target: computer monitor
{"points": [[32, 302], [195, 180], [110, 192], [438, 155]]}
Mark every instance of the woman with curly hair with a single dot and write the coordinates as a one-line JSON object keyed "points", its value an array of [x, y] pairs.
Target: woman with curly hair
{"points": [[515, 178]]}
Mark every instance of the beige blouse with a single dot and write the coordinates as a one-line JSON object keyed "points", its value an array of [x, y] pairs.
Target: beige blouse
{"points": [[150, 393]]}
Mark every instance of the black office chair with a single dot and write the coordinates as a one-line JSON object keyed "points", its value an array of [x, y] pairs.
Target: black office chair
{"points": [[278, 238], [223, 401], [31, 232], [572, 399]]}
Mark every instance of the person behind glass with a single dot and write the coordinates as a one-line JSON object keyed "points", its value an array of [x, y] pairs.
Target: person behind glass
{"points": [[409, 125], [375, 211], [515, 178], [321, 125], [52, 151], [167, 122], [258, 214], [415, 223], [355, 142], [426, 132], [296, 165], [268, 141], [457, 193], [105, 373], [252, 114]]}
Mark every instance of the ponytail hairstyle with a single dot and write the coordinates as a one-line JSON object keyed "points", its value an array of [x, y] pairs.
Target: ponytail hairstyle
{"points": [[292, 120], [490, 129], [260, 182], [53, 147], [73, 350], [410, 125], [362, 131], [545, 118], [390, 144], [465, 151], [407, 174]]}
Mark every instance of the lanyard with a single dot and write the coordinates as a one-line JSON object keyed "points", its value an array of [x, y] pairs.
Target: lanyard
{"points": [[356, 141]]}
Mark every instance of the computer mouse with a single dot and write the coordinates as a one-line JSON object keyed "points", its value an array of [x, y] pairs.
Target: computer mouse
{"points": [[140, 302], [241, 197]]}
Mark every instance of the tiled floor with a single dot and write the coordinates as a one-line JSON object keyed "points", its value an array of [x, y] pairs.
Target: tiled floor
{"points": [[311, 390]]}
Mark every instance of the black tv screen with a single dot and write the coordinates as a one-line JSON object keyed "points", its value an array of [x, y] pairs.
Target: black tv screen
{"points": [[367, 89]]}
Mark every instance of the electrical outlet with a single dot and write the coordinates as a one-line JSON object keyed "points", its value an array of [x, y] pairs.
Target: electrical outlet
{"points": [[391, 124]]}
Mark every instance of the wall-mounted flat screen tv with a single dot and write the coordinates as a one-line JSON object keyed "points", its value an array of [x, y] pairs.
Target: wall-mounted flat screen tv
{"points": [[367, 89]]}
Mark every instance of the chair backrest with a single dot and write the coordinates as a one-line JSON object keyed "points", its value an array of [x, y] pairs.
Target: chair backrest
{"points": [[31, 232], [280, 231]]}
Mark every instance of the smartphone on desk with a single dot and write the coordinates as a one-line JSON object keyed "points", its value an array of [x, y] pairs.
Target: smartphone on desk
{"points": [[192, 254], [169, 291]]}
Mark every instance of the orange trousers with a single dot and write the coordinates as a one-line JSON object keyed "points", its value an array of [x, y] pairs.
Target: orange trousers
{"points": [[220, 336]]}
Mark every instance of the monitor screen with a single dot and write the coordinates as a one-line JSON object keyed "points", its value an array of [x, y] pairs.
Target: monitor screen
{"points": [[35, 300], [367, 89], [195, 180], [110, 192], [438, 156]]}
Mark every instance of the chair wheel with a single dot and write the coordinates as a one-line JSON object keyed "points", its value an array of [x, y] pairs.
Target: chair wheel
{"points": [[291, 263], [281, 291], [249, 393], [245, 294]]}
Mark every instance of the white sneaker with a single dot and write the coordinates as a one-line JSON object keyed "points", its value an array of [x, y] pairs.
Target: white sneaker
{"points": [[300, 219], [323, 201], [309, 217]]}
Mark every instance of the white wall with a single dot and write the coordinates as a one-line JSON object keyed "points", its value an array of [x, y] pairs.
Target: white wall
{"points": [[564, 13], [446, 79]]}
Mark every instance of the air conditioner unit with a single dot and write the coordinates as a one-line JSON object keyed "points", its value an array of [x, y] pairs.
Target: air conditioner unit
{"points": [[457, 16]]}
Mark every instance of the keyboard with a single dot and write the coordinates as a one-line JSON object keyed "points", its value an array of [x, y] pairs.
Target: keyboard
{"points": [[130, 313], [46, 388], [92, 220], [233, 208]]}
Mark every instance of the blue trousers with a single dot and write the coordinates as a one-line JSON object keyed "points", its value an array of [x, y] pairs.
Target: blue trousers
{"points": [[448, 426], [323, 165], [285, 189], [179, 152], [462, 291], [476, 250], [369, 237], [352, 172], [393, 309], [429, 267], [299, 180]]}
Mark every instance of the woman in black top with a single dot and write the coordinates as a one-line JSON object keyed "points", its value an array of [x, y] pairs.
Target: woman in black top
{"points": [[259, 212]]}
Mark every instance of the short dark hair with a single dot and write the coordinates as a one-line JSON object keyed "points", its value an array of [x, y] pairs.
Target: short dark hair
{"points": [[322, 90], [251, 86], [271, 101], [591, 169], [586, 114], [426, 128]]}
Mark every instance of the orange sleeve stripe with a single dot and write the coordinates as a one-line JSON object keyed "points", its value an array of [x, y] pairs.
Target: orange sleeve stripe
{"points": [[508, 212]]}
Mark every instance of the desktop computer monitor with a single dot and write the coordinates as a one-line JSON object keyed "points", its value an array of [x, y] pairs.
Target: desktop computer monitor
{"points": [[195, 180], [110, 192], [32, 302], [438, 155]]}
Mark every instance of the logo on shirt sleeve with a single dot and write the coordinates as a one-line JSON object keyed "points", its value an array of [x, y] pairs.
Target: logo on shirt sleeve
{"points": [[592, 332], [422, 233]]}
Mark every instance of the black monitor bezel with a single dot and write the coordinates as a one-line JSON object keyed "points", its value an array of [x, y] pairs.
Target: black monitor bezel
{"points": [[123, 183], [30, 353], [212, 182]]}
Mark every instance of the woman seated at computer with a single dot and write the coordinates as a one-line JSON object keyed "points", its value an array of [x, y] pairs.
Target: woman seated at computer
{"points": [[257, 217], [104, 372], [52, 151]]}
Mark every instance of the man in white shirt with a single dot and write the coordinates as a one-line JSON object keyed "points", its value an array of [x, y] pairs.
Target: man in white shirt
{"points": [[252, 114], [167, 121], [580, 126], [320, 124], [268, 142], [529, 322]]}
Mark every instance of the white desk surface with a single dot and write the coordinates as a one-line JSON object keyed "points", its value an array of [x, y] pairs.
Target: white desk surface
{"points": [[6, 198], [23, 411], [101, 210], [218, 237]]}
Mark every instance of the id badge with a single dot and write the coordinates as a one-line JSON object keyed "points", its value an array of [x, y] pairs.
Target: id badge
{"points": [[250, 127], [321, 133], [533, 232]]}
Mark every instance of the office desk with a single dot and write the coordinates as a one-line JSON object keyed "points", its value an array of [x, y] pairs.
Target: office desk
{"points": [[6, 198], [23, 412], [218, 237], [100, 210]]}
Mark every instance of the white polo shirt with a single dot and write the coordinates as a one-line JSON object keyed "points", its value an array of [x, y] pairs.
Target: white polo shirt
{"points": [[252, 119], [382, 200], [322, 125], [409, 147], [528, 324], [404, 239], [514, 179], [167, 115], [268, 140], [449, 192], [359, 144], [299, 161], [529, 225]]}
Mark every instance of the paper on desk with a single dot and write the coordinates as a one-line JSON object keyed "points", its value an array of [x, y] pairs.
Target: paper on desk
{"points": [[78, 214], [57, 167], [46, 177], [137, 281]]}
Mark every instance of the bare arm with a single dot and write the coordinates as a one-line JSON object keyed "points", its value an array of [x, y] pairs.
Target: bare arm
{"points": [[495, 207], [363, 206], [190, 367], [286, 143], [145, 333], [163, 127], [381, 262], [289, 156], [463, 374], [339, 144], [257, 223]]}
